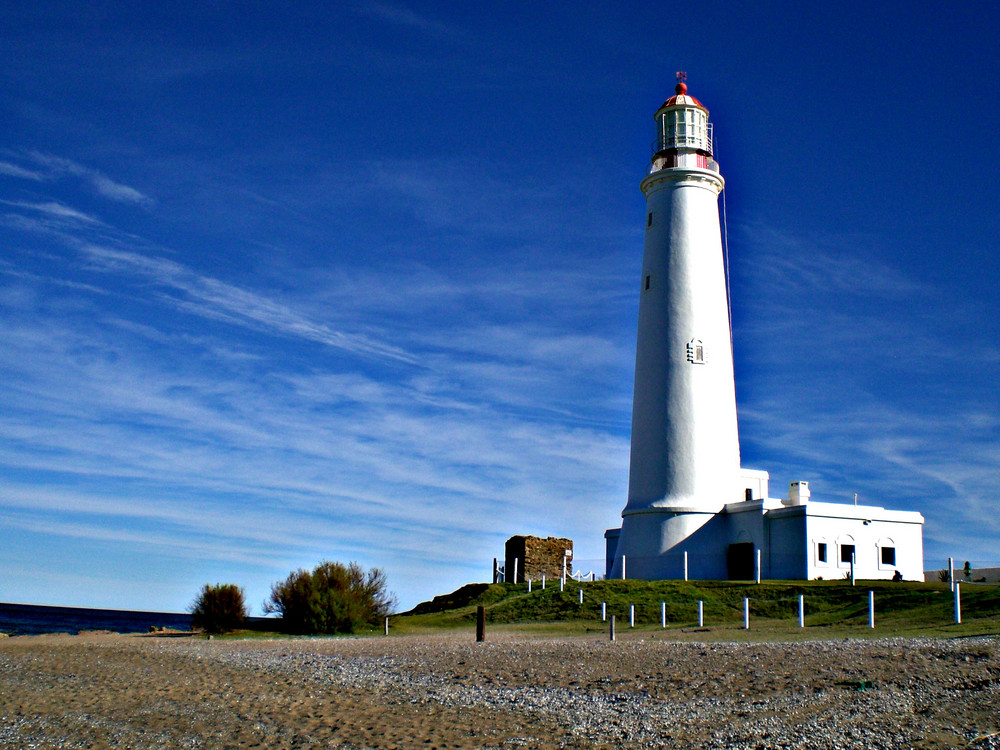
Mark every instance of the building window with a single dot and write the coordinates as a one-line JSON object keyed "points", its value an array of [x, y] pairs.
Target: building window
{"points": [[649, 219], [647, 283], [696, 352], [846, 552], [821, 552], [888, 555]]}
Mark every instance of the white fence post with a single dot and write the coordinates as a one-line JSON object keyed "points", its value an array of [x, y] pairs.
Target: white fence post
{"points": [[562, 584], [958, 604], [871, 609], [663, 614], [543, 582], [593, 576], [854, 560], [631, 615], [581, 596], [758, 567], [529, 585], [951, 573], [802, 611], [746, 613], [514, 579], [623, 567], [611, 627], [685, 565], [604, 611], [701, 613]]}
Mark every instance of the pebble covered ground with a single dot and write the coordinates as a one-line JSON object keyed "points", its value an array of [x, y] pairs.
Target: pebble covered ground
{"points": [[446, 691]]}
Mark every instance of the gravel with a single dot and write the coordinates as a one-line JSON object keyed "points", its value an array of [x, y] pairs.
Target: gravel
{"points": [[720, 695], [527, 692]]}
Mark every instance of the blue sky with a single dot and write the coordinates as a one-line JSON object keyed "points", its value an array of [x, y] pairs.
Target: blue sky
{"points": [[290, 282]]}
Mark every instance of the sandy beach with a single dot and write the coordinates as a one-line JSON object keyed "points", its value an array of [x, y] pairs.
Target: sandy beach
{"points": [[445, 691]]}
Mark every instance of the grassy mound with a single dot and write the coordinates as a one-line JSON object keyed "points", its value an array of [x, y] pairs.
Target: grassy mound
{"points": [[833, 608], [469, 594]]}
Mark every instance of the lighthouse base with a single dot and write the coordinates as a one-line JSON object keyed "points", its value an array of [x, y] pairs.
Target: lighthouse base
{"points": [[668, 543], [787, 539]]}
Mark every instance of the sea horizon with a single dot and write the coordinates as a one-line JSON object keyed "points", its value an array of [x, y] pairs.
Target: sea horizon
{"points": [[18, 618]]}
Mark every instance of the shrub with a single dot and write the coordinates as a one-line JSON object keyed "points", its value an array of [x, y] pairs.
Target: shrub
{"points": [[219, 608], [944, 576], [332, 598]]}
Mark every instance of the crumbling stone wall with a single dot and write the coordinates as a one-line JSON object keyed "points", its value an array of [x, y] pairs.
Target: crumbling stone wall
{"points": [[537, 556]]}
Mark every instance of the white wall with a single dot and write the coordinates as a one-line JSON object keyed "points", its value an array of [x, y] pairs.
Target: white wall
{"points": [[846, 525]]}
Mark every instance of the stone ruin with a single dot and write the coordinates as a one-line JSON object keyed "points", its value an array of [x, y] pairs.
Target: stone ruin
{"points": [[536, 557]]}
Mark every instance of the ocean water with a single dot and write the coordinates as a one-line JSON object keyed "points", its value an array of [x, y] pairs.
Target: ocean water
{"points": [[30, 619]]}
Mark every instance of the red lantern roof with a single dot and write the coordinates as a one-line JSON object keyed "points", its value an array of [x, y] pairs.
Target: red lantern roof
{"points": [[681, 97]]}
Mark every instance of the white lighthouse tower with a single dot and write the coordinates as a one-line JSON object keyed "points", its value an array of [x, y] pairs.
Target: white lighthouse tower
{"points": [[692, 510], [685, 458]]}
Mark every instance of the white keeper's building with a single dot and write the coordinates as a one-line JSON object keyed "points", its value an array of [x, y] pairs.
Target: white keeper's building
{"points": [[692, 510]]}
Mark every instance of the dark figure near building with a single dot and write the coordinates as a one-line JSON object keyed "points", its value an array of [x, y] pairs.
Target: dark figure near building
{"points": [[897, 576]]}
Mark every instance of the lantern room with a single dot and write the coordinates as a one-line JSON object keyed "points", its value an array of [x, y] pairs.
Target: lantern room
{"points": [[683, 133]]}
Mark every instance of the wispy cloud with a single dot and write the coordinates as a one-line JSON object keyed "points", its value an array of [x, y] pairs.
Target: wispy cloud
{"points": [[846, 385], [104, 185], [405, 17], [37, 279], [52, 208], [838, 264], [412, 461], [12, 170], [452, 193], [209, 297], [902, 456], [403, 340]]}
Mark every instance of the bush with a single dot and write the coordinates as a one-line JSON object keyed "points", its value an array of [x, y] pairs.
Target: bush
{"points": [[333, 598], [219, 608]]}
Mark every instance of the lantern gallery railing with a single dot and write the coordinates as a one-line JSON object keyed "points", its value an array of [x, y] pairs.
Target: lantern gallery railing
{"points": [[688, 137]]}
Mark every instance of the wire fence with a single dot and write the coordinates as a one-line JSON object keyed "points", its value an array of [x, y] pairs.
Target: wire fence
{"points": [[691, 565], [835, 606], [607, 601]]}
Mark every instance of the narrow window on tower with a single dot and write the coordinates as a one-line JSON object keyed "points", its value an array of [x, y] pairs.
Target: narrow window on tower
{"points": [[696, 352], [649, 219], [647, 283]]}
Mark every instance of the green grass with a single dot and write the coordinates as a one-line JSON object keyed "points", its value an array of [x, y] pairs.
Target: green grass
{"points": [[834, 609]]}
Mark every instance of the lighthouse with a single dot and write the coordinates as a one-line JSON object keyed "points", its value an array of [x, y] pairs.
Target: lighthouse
{"points": [[685, 455], [693, 511]]}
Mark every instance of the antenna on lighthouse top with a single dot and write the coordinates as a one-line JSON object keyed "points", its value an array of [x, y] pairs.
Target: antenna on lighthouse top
{"points": [[681, 86]]}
